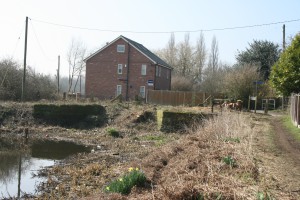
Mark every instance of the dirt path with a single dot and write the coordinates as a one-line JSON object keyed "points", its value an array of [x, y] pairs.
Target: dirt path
{"points": [[285, 141], [279, 156]]}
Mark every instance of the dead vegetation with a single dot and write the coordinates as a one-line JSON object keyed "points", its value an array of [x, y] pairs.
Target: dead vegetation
{"points": [[218, 159]]}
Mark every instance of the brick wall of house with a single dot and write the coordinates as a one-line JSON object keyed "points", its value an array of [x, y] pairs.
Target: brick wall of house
{"points": [[163, 82], [102, 75]]}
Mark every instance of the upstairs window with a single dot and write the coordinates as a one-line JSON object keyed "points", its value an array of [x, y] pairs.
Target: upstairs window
{"points": [[120, 48], [157, 68], [120, 68], [144, 70], [159, 71]]}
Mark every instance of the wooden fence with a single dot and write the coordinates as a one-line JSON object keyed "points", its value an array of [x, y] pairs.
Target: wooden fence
{"points": [[179, 98], [295, 109]]}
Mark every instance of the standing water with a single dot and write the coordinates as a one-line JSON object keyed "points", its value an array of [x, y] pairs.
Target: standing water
{"points": [[18, 169]]}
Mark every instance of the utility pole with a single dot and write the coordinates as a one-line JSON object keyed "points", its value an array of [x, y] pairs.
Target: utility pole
{"points": [[58, 74], [25, 56], [283, 48], [80, 83], [283, 35]]}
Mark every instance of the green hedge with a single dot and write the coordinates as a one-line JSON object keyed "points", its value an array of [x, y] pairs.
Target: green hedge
{"points": [[71, 115], [4, 113], [178, 121]]}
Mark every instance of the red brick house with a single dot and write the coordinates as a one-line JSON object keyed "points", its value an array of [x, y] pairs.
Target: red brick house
{"points": [[125, 67]]}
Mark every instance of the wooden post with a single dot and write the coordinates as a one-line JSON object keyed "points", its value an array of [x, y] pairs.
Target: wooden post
{"points": [[298, 110], [266, 106], [249, 100], [255, 104], [58, 74], [212, 105]]}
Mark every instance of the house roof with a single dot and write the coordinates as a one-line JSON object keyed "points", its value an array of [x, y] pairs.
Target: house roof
{"points": [[154, 58]]}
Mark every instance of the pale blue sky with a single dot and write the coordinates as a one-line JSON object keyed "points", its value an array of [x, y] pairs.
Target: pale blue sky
{"points": [[46, 41]]}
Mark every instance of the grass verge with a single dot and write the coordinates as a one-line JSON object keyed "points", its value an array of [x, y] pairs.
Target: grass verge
{"points": [[286, 120]]}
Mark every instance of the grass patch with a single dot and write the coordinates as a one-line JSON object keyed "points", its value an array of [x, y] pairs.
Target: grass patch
{"points": [[158, 139], [264, 196], [295, 131], [113, 132], [123, 185], [229, 161], [230, 139]]}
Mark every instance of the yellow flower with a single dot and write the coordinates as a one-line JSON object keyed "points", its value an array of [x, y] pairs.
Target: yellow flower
{"points": [[107, 188], [130, 169], [137, 169], [121, 179]]}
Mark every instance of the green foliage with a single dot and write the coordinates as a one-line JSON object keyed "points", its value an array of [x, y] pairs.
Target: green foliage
{"points": [[158, 139], [230, 139], [262, 53], [264, 196], [294, 130], [123, 185], [4, 113], [113, 132], [229, 161], [71, 115], [285, 75]]}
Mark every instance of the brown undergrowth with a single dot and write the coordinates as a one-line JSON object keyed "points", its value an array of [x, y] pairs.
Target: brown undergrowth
{"points": [[193, 166], [212, 160]]}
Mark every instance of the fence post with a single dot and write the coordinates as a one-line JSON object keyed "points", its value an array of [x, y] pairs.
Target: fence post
{"points": [[298, 108], [266, 106]]}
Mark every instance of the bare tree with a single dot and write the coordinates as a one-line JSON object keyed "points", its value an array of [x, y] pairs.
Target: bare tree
{"points": [[199, 58], [214, 55], [75, 56], [238, 80], [171, 51], [212, 74], [185, 52]]}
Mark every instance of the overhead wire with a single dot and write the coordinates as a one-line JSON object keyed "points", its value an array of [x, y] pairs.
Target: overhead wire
{"points": [[13, 54], [18, 40], [162, 32], [39, 44]]}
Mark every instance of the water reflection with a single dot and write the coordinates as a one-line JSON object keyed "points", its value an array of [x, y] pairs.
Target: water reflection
{"points": [[17, 167]]}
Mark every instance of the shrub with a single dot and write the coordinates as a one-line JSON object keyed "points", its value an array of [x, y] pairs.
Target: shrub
{"points": [[113, 132], [180, 83], [229, 161], [123, 185], [71, 115]]}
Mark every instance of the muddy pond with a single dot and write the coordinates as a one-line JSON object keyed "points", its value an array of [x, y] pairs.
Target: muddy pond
{"points": [[20, 164]]}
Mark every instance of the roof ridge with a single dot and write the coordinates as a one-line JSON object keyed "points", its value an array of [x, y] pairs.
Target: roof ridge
{"points": [[147, 52]]}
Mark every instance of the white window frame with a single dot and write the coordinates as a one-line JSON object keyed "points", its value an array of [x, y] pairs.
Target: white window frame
{"points": [[121, 48], [144, 70], [120, 68], [119, 90], [143, 91]]}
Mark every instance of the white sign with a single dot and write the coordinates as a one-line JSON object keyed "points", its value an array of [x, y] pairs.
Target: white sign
{"points": [[253, 98], [150, 82]]}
